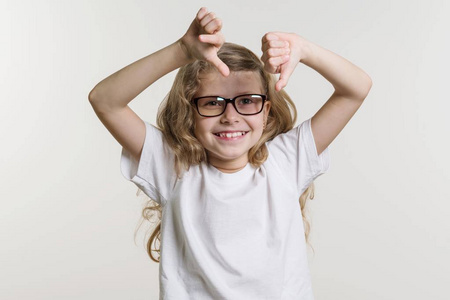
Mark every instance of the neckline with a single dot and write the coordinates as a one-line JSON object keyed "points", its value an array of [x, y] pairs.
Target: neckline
{"points": [[247, 170]]}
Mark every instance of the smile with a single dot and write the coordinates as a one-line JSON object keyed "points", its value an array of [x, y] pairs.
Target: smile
{"points": [[231, 134]]}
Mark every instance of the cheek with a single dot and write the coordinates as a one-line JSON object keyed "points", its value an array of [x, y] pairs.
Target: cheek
{"points": [[257, 123], [197, 132], [201, 128], [197, 124]]}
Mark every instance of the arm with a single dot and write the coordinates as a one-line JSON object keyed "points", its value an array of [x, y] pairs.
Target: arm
{"points": [[202, 41], [120, 88], [281, 54], [111, 96]]}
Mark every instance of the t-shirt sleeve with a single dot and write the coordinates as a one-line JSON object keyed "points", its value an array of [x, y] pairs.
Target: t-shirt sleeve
{"points": [[295, 155], [154, 173]]}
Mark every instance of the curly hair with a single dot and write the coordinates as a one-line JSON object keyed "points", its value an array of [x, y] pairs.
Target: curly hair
{"points": [[176, 121]]}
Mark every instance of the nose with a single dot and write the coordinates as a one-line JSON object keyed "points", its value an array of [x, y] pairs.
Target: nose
{"points": [[230, 115]]}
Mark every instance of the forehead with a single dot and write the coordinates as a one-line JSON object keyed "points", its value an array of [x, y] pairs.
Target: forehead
{"points": [[241, 82]]}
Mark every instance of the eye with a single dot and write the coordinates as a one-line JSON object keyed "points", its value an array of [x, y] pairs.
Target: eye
{"points": [[211, 103], [245, 101]]}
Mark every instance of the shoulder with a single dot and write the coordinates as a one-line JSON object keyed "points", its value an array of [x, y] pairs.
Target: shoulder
{"points": [[155, 136], [289, 137]]}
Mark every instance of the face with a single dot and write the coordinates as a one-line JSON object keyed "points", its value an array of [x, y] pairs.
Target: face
{"points": [[230, 153]]}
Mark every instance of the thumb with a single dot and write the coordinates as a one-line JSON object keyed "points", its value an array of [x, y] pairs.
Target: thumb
{"points": [[285, 73], [280, 84], [220, 65]]}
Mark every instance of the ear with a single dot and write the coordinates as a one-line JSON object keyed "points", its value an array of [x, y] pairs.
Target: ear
{"points": [[267, 106], [266, 113]]}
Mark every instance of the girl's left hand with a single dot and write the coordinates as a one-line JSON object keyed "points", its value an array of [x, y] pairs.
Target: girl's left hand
{"points": [[281, 54]]}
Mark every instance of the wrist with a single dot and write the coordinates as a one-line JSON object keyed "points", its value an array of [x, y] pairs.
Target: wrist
{"points": [[304, 48], [184, 53], [307, 51]]}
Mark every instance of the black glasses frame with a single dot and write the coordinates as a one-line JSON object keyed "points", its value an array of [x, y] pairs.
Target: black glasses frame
{"points": [[232, 101]]}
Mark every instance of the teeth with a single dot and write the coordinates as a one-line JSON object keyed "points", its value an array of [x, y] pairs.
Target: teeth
{"points": [[231, 135]]}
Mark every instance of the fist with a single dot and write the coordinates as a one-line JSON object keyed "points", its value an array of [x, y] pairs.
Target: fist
{"points": [[204, 38], [281, 54]]}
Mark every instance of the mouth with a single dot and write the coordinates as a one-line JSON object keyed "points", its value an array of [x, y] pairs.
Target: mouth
{"points": [[228, 134]]}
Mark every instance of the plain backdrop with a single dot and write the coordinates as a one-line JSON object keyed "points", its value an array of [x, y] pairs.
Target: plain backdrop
{"points": [[380, 217]]}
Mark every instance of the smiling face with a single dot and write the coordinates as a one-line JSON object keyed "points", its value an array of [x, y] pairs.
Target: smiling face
{"points": [[228, 138]]}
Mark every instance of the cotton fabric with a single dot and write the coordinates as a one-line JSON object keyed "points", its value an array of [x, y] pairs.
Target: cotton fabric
{"points": [[234, 236]]}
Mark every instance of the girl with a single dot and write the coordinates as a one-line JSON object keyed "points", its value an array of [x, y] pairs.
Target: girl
{"points": [[226, 165]]}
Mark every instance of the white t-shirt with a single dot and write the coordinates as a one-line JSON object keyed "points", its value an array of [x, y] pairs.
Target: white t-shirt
{"points": [[234, 236]]}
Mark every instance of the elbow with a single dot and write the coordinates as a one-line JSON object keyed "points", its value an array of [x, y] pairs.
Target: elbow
{"points": [[368, 86], [93, 95], [365, 87], [96, 96], [358, 90], [95, 99]]}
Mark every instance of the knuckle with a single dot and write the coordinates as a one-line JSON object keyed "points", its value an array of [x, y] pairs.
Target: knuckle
{"points": [[210, 56], [209, 28], [272, 61], [264, 39]]}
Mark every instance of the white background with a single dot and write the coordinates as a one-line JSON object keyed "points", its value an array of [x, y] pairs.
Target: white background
{"points": [[380, 218]]}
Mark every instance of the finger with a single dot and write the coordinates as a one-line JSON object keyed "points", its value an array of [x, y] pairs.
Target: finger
{"points": [[214, 39], [284, 77], [269, 37], [201, 13], [207, 18], [213, 26], [275, 62], [279, 85], [265, 41], [271, 69], [274, 65], [220, 65], [274, 44], [273, 52]]}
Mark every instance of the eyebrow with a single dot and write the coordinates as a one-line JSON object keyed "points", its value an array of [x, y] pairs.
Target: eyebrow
{"points": [[237, 94]]}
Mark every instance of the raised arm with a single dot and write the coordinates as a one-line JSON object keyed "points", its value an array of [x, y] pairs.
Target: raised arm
{"points": [[201, 41], [111, 96], [281, 54]]}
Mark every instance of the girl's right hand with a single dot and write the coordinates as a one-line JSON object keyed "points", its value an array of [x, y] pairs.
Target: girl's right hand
{"points": [[203, 39]]}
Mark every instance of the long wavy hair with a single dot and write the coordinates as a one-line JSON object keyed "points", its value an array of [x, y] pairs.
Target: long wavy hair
{"points": [[176, 121]]}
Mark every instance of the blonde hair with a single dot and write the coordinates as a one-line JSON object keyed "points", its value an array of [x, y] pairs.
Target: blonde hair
{"points": [[176, 121]]}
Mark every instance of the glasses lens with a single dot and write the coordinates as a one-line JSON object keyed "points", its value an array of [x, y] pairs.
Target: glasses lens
{"points": [[249, 104], [245, 105], [210, 106]]}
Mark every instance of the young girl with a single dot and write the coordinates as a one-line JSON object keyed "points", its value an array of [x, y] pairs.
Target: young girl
{"points": [[226, 164]]}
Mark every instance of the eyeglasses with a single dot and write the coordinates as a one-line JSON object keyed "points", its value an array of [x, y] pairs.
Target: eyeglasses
{"points": [[213, 106]]}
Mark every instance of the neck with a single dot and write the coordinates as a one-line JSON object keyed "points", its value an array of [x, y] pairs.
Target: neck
{"points": [[229, 170], [228, 166]]}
